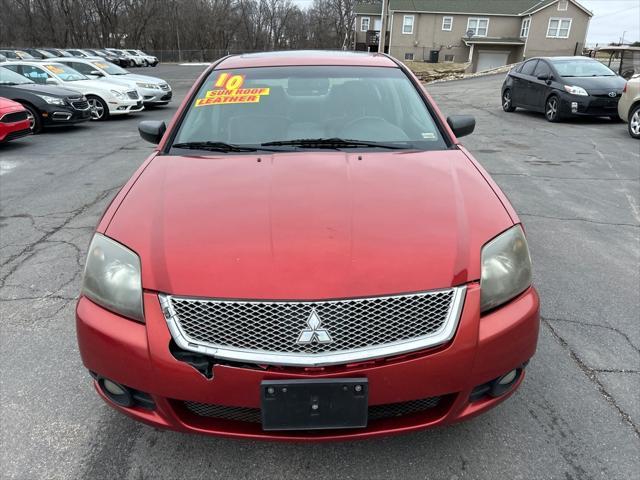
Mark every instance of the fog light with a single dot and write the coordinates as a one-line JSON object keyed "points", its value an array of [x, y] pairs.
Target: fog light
{"points": [[508, 378], [574, 107], [118, 394]]}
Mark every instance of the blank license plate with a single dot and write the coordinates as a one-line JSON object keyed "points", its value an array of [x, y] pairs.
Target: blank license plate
{"points": [[314, 404]]}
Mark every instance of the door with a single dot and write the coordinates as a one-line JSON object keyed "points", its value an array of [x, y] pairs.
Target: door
{"points": [[488, 60], [539, 88], [522, 83]]}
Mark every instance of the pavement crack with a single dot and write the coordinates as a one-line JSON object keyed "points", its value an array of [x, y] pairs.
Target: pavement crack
{"points": [[579, 219], [29, 250], [591, 375], [595, 325]]}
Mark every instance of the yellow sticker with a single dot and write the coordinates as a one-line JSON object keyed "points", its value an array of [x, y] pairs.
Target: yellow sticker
{"points": [[228, 90], [54, 69], [100, 65]]}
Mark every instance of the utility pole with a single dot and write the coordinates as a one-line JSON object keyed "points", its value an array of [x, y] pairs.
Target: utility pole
{"points": [[383, 27], [624, 34]]}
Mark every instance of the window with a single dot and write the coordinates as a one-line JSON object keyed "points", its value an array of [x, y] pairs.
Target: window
{"points": [[449, 58], [321, 101], [479, 26], [542, 69], [364, 24], [524, 30], [447, 24], [407, 24], [377, 24], [559, 28], [35, 74], [563, 5], [408, 56], [81, 67], [528, 67]]}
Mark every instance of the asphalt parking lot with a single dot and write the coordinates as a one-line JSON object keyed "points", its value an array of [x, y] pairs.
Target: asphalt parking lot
{"points": [[576, 186]]}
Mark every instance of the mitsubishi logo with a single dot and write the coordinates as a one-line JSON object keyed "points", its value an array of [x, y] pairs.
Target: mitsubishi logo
{"points": [[613, 94], [314, 333]]}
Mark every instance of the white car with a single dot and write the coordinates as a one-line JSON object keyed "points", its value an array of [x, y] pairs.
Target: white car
{"points": [[149, 60], [137, 59], [105, 98], [154, 91]]}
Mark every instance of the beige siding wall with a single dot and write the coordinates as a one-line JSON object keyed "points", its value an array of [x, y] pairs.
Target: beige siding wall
{"points": [[428, 35], [539, 45], [361, 37]]}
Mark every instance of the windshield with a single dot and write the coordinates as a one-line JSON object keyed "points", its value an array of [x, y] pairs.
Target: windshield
{"points": [[65, 73], [7, 77], [581, 68], [254, 106], [132, 52], [110, 68]]}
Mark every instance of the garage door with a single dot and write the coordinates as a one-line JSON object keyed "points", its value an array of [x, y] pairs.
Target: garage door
{"points": [[488, 60]]}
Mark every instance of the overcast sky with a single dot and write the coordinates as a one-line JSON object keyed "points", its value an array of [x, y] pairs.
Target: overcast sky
{"points": [[611, 18]]}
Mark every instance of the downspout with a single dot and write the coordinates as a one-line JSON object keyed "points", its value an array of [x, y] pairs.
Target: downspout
{"points": [[526, 40], [390, 32]]}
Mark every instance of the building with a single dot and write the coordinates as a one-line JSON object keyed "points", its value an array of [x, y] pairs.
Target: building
{"points": [[484, 33]]}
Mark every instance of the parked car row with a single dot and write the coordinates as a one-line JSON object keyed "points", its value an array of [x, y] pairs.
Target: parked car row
{"points": [[563, 87], [121, 57], [70, 90]]}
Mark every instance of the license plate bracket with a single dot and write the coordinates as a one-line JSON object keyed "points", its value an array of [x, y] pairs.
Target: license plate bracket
{"points": [[319, 404]]}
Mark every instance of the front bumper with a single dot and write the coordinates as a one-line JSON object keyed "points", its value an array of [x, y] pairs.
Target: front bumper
{"points": [[138, 356], [590, 106], [57, 115], [124, 107], [152, 96]]}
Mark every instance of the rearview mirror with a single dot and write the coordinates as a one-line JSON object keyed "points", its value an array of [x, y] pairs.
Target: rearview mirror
{"points": [[152, 130], [461, 124]]}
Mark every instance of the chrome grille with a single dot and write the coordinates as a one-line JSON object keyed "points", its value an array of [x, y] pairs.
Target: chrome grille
{"points": [[133, 95], [80, 104], [268, 331]]}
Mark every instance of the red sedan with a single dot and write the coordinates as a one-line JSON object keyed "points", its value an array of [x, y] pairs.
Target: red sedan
{"points": [[14, 120], [308, 254]]}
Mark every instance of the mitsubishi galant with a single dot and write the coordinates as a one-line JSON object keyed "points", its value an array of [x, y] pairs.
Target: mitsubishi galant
{"points": [[308, 254]]}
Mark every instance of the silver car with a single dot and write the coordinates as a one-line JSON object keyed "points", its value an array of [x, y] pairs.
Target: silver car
{"points": [[154, 91]]}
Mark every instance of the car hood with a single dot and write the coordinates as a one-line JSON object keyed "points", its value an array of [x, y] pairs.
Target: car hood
{"points": [[46, 90], [144, 78], [309, 225], [597, 85], [94, 85], [120, 81]]}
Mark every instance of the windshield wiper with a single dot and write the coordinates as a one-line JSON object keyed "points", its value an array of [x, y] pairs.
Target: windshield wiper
{"points": [[333, 143], [223, 147]]}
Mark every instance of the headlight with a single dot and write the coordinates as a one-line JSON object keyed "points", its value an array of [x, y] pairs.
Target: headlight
{"points": [[148, 85], [112, 278], [52, 100], [575, 90], [118, 95], [506, 268]]}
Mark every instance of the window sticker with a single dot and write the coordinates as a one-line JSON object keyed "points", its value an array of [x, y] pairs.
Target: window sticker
{"points": [[54, 69], [100, 65], [227, 89]]}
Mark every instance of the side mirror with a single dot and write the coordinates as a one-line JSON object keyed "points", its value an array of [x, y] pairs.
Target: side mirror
{"points": [[543, 77], [51, 81], [96, 73], [152, 130], [461, 124]]}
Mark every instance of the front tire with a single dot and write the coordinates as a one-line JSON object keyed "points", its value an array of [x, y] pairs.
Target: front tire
{"points": [[35, 122], [507, 101], [552, 109], [634, 122], [99, 109]]}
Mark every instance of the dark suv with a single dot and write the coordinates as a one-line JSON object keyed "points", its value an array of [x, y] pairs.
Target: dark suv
{"points": [[47, 105]]}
